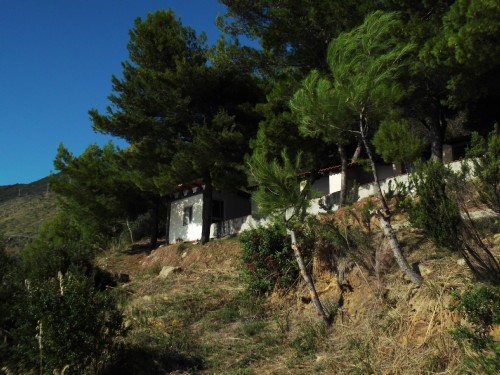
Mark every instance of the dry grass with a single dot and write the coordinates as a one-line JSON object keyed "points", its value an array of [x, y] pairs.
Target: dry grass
{"points": [[200, 320], [21, 217]]}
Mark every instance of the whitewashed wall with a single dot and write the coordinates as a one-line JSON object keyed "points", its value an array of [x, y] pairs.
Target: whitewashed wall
{"points": [[192, 231]]}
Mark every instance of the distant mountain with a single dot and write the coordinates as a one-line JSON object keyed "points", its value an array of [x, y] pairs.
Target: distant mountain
{"points": [[9, 192], [23, 208]]}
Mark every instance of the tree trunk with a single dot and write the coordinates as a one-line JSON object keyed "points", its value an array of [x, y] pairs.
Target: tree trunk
{"points": [[207, 210], [437, 127], [398, 255], [167, 221], [384, 217], [308, 279], [130, 231], [357, 152], [378, 190], [154, 222], [343, 175]]}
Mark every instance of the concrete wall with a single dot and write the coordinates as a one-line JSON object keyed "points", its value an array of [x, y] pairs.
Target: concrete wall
{"points": [[192, 231], [235, 206], [236, 224]]}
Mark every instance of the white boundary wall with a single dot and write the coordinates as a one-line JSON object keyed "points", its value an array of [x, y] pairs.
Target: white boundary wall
{"points": [[364, 191]]}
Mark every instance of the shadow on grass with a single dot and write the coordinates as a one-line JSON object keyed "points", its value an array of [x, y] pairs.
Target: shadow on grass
{"points": [[140, 248], [139, 361]]}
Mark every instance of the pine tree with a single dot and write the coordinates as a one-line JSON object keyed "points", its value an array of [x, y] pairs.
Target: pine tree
{"points": [[322, 115], [179, 111], [279, 194], [365, 63]]}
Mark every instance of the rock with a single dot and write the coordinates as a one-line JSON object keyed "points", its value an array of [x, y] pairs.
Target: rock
{"points": [[424, 271], [167, 270]]}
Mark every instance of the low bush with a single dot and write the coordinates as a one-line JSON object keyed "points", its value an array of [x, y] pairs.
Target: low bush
{"points": [[267, 259], [434, 211], [64, 322], [480, 307]]}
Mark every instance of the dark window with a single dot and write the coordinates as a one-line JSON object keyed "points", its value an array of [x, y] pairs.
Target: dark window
{"points": [[217, 211], [188, 215]]}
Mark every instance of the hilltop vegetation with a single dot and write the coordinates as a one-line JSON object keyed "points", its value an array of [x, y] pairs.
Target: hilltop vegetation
{"points": [[23, 208]]}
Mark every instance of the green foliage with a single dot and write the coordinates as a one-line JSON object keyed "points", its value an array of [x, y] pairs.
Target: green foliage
{"points": [[64, 321], [365, 63], [434, 211], [267, 259], [278, 188], [59, 245], [292, 33], [8, 289], [396, 142], [486, 164], [320, 110], [480, 306], [96, 189]]}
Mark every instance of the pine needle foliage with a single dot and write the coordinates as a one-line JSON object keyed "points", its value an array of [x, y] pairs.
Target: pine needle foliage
{"points": [[365, 63], [320, 109], [278, 189]]}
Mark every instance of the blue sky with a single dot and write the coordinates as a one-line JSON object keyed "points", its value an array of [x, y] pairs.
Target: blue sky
{"points": [[56, 62]]}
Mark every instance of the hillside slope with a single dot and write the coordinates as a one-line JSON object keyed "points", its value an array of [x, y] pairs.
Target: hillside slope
{"points": [[198, 319], [23, 207]]}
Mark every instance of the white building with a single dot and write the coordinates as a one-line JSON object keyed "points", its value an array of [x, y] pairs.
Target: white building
{"points": [[186, 211]]}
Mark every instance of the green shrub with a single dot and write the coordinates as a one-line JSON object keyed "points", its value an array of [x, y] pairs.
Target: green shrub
{"points": [[480, 306], [434, 211], [8, 289], [267, 259], [64, 321], [58, 246]]}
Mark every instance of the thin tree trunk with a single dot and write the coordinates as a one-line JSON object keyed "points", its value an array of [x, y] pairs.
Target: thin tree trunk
{"points": [[398, 255], [378, 190], [343, 175], [130, 231], [207, 209], [167, 221], [437, 126], [307, 278], [357, 152], [384, 217], [154, 222]]}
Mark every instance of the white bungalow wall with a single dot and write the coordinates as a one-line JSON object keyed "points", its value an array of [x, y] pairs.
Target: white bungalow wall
{"points": [[192, 231], [234, 206]]}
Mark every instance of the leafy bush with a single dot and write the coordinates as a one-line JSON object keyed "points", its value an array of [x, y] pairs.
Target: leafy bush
{"points": [[58, 246], [268, 259], [480, 306], [64, 322], [434, 211], [8, 289]]}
